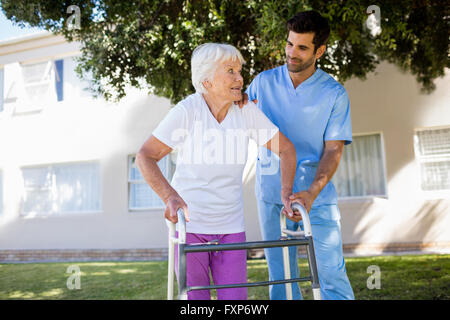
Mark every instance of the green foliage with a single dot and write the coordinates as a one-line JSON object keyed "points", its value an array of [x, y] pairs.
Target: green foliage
{"points": [[148, 43]]}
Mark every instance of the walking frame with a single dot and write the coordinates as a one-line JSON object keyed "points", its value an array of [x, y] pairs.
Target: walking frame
{"points": [[288, 238]]}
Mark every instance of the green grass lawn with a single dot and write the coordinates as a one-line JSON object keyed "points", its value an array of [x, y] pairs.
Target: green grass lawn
{"points": [[402, 277]]}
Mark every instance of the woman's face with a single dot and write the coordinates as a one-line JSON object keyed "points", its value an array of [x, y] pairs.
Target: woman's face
{"points": [[228, 82]]}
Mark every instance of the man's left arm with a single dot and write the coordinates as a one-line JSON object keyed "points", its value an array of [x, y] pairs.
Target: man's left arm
{"points": [[337, 134], [328, 164]]}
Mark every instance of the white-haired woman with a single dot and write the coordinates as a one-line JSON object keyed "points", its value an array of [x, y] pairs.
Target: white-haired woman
{"points": [[211, 133]]}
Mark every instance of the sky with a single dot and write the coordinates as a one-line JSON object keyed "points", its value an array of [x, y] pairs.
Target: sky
{"points": [[9, 30]]}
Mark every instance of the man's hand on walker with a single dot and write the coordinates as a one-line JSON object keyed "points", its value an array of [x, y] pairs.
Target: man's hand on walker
{"points": [[305, 198], [173, 204], [244, 101]]}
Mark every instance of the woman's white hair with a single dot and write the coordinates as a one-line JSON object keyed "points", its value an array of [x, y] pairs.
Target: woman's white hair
{"points": [[205, 60]]}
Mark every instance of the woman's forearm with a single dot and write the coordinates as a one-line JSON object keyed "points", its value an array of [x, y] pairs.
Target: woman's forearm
{"points": [[284, 148], [154, 177], [288, 163]]}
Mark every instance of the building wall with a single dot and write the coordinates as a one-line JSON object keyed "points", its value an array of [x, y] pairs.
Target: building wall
{"points": [[80, 128], [390, 102]]}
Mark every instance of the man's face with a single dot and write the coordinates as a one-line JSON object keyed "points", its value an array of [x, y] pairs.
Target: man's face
{"points": [[300, 53]]}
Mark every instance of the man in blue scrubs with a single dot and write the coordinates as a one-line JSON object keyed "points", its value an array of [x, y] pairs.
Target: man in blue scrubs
{"points": [[312, 110]]}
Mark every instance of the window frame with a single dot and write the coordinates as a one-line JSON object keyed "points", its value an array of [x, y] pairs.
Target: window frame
{"points": [[25, 215], [419, 159], [26, 105], [383, 164]]}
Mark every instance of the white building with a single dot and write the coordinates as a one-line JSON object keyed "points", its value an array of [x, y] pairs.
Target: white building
{"points": [[69, 189]]}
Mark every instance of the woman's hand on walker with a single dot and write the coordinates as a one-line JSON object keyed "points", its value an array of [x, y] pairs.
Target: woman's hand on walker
{"points": [[296, 216], [287, 203], [174, 203], [305, 198]]}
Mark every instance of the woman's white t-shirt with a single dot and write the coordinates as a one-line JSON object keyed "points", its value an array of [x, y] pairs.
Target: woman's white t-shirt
{"points": [[211, 160]]}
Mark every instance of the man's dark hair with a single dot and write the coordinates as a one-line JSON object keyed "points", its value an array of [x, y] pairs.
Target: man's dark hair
{"points": [[310, 21]]}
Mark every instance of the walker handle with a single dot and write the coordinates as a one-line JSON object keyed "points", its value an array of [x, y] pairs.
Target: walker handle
{"points": [[305, 218], [181, 226]]}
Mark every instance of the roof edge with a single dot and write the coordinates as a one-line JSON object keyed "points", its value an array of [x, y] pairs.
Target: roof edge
{"points": [[29, 37]]}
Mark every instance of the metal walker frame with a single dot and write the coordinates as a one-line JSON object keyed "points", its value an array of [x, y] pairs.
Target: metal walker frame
{"points": [[288, 238]]}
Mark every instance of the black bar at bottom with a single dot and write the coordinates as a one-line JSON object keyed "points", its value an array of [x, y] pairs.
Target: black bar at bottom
{"points": [[251, 284]]}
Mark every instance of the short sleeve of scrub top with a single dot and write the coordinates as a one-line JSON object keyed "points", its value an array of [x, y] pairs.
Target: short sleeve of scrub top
{"points": [[339, 125]]}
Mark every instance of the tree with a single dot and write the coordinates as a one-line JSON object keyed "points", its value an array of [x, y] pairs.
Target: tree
{"points": [[148, 43]]}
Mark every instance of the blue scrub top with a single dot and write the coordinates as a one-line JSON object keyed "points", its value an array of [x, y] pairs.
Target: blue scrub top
{"points": [[316, 111]]}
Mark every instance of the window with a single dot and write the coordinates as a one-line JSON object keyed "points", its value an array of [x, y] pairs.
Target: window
{"points": [[141, 196], [40, 84], [361, 172], [432, 148], [61, 188], [37, 85]]}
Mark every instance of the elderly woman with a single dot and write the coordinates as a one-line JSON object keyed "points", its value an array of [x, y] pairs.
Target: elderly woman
{"points": [[212, 134]]}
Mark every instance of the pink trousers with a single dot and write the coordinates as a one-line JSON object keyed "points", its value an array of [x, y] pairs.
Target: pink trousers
{"points": [[227, 267]]}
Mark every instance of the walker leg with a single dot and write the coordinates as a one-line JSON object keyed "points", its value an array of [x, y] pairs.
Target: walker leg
{"points": [[316, 294], [286, 261], [287, 272], [313, 270], [182, 292], [307, 233], [171, 269]]}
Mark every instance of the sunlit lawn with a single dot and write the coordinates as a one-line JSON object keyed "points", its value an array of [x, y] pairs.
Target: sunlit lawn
{"points": [[402, 277]]}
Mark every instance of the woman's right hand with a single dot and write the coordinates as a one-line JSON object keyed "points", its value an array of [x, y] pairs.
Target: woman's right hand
{"points": [[174, 203]]}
